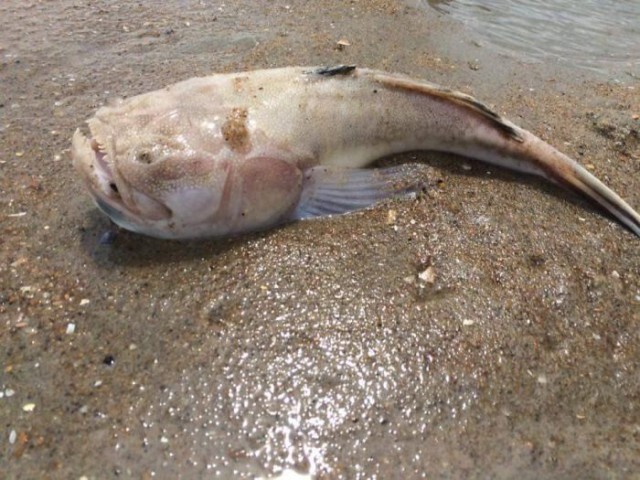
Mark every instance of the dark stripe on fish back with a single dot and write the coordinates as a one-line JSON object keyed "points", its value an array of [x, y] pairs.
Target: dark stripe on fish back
{"points": [[335, 70], [461, 99]]}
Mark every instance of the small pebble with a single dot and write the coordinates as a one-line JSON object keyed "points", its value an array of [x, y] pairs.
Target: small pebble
{"points": [[542, 379], [475, 66], [342, 43], [467, 323], [9, 392], [29, 407], [428, 276], [108, 237], [71, 327], [12, 437], [84, 301]]}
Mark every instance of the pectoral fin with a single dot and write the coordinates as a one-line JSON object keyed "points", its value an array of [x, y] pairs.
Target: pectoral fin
{"points": [[333, 191]]}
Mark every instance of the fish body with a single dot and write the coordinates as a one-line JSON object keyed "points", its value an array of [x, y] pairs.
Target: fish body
{"points": [[233, 153]]}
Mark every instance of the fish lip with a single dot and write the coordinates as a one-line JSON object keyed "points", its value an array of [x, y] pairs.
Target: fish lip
{"points": [[92, 162]]}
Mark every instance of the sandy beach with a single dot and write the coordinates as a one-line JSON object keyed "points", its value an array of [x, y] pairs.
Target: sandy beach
{"points": [[488, 329]]}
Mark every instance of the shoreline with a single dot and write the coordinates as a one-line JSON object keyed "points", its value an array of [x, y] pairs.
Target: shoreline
{"points": [[318, 346]]}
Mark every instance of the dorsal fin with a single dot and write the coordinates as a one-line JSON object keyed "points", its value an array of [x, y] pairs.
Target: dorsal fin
{"points": [[335, 70], [461, 99]]}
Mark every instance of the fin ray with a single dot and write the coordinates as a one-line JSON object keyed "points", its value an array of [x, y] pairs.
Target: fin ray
{"points": [[334, 191]]}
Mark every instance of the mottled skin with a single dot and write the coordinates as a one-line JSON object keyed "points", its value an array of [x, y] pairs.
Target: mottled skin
{"points": [[232, 153]]}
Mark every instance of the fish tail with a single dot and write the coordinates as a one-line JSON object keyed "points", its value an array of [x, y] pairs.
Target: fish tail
{"points": [[563, 170], [500, 142]]}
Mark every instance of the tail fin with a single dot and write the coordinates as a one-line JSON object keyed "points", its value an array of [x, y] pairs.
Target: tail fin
{"points": [[566, 172]]}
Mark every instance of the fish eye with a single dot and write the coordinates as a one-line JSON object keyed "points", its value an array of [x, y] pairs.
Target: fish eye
{"points": [[144, 156], [113, 187]]}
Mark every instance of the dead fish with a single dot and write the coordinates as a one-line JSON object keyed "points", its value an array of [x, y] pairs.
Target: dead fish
{"points": [[233, 153]]}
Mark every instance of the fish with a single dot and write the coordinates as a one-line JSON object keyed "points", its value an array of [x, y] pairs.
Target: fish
{"points": [[233, 153]]}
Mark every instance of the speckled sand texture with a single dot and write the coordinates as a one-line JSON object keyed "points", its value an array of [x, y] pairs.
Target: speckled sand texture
{"points": [[490, 329]]}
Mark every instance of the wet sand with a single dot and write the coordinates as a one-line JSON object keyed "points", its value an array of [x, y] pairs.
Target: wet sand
{"points": [[486, 330]]}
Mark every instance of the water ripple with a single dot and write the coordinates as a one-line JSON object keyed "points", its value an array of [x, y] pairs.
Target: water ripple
{"points": [[593, 34]]}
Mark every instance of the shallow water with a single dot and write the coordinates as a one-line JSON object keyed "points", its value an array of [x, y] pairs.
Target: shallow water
{"points": [[595, 34], [318, 346]]}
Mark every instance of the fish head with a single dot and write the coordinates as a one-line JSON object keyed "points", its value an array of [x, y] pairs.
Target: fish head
{"points": [[173, 172]]}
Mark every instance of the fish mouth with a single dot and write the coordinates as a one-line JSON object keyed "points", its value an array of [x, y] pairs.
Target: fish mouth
{"points": [[93, 159], [90, 159]]}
